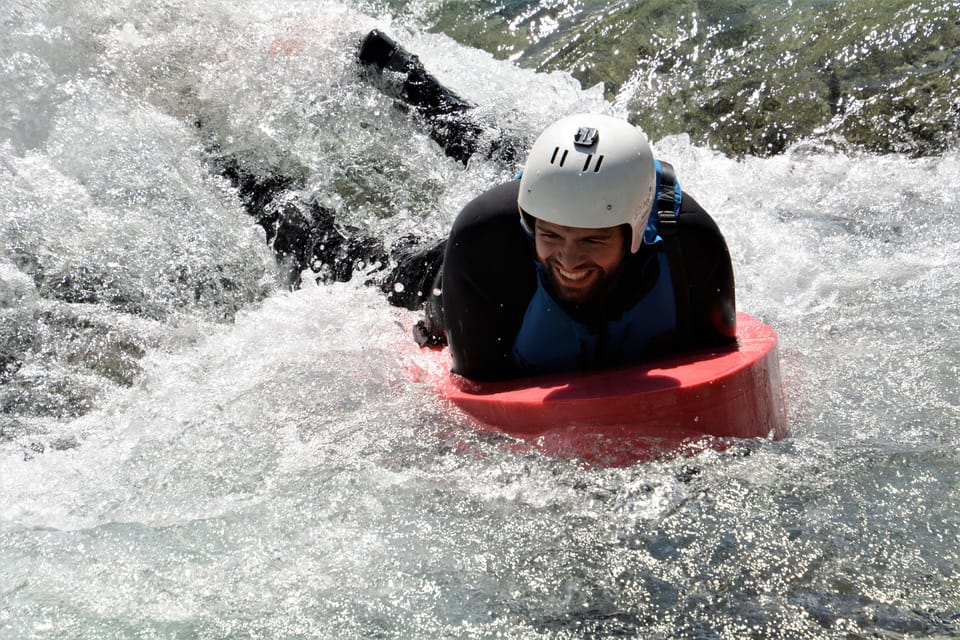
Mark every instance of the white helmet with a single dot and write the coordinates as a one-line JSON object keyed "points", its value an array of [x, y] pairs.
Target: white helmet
{"points": [[590, 171]]}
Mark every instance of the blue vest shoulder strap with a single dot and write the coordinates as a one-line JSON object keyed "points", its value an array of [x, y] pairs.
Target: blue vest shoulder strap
{"points": [[669, 199], [668, 202]]}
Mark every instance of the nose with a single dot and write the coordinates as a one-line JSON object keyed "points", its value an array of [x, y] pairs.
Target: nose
{"points": [[571, 254]]}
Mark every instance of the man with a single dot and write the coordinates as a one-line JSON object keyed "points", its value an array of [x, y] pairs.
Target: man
{"points": [[593, 259]]}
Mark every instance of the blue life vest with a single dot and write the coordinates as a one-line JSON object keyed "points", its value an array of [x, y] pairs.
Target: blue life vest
{"points": [[551, 340]]}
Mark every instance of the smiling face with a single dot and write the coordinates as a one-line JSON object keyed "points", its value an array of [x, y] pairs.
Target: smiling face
{"points": [[579, 263]]}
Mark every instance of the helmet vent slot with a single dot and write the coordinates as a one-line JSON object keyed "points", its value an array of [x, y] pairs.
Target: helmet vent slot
{"points": [[586, 164], [563, 158]]}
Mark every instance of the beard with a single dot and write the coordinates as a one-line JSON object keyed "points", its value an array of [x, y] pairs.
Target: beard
{"points": [[601, 283]]}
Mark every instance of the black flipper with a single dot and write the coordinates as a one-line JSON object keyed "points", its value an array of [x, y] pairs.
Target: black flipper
{"points": [[453, 122]]}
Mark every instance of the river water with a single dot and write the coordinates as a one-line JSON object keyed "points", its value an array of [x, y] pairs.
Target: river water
{"points": [[190, 448]]}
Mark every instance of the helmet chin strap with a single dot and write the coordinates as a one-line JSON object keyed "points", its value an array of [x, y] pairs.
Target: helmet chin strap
{"points": [[527, 221]]}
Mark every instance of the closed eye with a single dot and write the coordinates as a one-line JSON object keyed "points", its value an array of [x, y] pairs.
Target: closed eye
{"points": [[598, 239]]}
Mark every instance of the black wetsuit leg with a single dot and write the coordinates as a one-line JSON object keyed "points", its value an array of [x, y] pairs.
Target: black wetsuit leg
{"points": [[454, 123]]}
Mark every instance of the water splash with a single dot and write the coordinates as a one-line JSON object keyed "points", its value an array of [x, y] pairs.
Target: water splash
{"points": [[278, 475]]}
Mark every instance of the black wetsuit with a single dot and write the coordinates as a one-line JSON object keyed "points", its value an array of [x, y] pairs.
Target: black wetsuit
{"points": [[490, 277]]}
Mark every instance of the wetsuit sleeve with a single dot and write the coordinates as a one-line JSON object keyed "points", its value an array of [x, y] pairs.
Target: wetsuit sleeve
{"points": [[488, 279], [712, 318]]}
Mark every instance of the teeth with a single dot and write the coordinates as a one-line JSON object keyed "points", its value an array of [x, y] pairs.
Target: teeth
{"points": [[579, 275]]}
